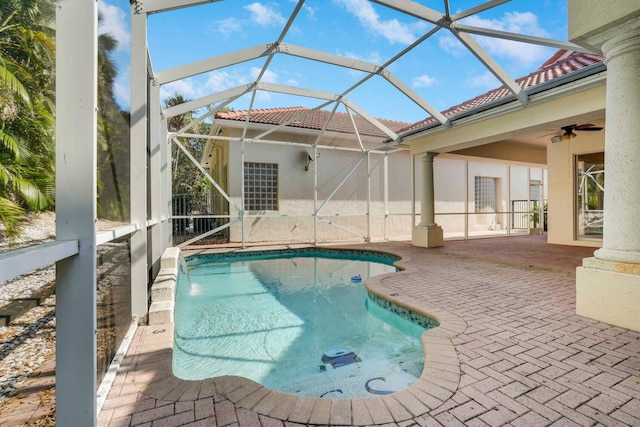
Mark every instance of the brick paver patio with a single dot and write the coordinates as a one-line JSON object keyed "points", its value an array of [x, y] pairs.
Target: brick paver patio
{"points": [[525, 357], [521, 356]]}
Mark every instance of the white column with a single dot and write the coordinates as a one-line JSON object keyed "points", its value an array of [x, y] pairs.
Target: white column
{"points": [[622, 150], [427, 209], [608, 285], [427, 234], [156, 201], [76, 140], [138, 162]]}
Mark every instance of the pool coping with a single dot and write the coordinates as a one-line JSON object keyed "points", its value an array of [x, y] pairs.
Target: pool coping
{"points": [[439, 380]]}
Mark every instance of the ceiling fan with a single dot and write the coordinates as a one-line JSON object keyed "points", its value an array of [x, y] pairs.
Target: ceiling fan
{"points": [[568, 131]]}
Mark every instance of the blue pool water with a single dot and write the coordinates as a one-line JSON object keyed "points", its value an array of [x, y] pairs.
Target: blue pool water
{"points": [[297, 324]]}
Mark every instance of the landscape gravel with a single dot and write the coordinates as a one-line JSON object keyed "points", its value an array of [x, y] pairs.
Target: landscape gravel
{"points": [[38, 229], [29, 340]]}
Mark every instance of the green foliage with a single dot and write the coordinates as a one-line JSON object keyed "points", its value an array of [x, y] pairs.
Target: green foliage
{"points": [[534, 216], [186, 177], [27, 75], [113, 140]]}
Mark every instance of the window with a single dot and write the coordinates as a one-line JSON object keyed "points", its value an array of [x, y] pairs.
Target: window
{"points": [[260, 186], [589, 195], [485, 194], [535, 192]]}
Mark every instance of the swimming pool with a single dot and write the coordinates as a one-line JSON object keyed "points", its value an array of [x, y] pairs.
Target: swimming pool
{"points": [[295, 321]]}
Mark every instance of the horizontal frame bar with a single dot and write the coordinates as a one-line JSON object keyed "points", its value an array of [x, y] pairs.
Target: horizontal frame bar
{"points": [[26, 260]]}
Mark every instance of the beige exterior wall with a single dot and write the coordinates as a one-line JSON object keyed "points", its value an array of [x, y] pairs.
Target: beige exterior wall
{"points": [[489, 138], [454, 178], [591, 18], [562, 182], [347, 208], [454, 191]]}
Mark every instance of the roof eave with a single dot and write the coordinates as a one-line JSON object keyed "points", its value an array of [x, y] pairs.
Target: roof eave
{"points": [[585, 77]]}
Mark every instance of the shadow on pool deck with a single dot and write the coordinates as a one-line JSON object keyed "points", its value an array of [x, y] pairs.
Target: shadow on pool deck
{"points": [[525, 357]]}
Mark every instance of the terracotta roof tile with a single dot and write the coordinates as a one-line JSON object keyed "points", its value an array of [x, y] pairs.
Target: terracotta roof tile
{"points": [[340, 122], [561, 63]]}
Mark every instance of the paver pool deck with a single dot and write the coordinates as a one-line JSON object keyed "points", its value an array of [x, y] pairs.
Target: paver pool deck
{"points": [[511, 351]]}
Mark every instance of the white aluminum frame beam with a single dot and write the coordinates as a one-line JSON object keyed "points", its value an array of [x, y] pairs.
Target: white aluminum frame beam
{"points": [[342, 181], [285, 123], [355, 129], [486, 59], [272, 87], [413, 9], [210, 232], [205, 173], [138, 161], [211, 64], [294, 144], [155, 182], [214, 63], [477, 9], [76, 212], [542, 41], [372, 69], [324, 126], [155, 6], [209, 113], [25, 260], [196, 104]]}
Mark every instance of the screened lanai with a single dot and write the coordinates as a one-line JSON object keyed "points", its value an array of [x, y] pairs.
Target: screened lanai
{"points": [[114, 159]]}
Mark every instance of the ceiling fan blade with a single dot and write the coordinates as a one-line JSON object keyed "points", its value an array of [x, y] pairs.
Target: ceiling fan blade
{"points": [[555, 132], [588, 126]]}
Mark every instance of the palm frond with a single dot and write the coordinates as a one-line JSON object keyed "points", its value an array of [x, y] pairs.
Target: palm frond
{"points": [[12, 216], [13, 84], [10, 144]]}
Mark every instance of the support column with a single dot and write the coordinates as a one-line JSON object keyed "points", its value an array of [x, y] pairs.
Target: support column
{"points": [[608, 285], [427, 233], [138, 163], [76, 141], [155, 243]]}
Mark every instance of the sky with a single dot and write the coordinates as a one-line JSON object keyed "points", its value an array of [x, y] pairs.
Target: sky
{"points": [[440, 69]]}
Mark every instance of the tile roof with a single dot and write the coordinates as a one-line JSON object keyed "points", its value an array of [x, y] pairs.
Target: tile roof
{"points": [[561, 63], [340, 122]]}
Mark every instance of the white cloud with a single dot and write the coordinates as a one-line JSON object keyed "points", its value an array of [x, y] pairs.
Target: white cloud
{"points": [[268, 76], [392, 30], [485, 81], [264, 15], [226, 26], [311, 11], [515, 22], [122, 88], [181, 87], [263, 96], [451, 45], [292, 82], [222, 80], [114, 22], [371, 57], [423, 81]]}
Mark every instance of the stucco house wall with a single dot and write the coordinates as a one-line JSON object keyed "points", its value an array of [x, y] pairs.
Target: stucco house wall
{"points": [[347, 209], [454, 185], [562, 184]]}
